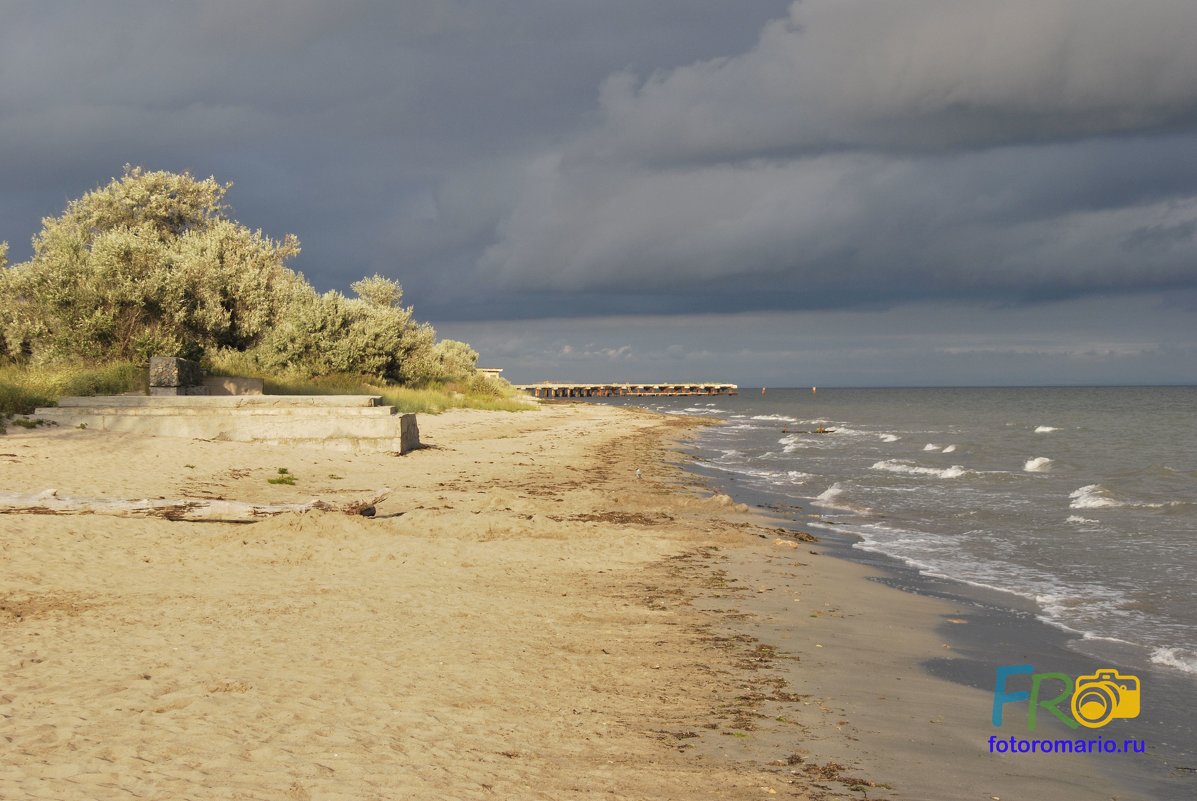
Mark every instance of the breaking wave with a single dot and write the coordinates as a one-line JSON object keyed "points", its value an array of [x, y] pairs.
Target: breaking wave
{"points": [[1040, 464], [1092, 496], [894, 466], [1176, 658]]}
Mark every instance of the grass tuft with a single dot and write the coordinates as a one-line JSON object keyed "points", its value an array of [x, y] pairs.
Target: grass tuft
{"points": [[284, 477]]}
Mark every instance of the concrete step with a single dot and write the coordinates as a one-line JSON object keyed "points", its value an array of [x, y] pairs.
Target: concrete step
{"points": [[219, 401], [208, 411], [234, 427], [300, 420]]}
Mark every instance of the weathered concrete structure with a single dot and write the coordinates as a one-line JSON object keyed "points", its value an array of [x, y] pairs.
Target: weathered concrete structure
{"points": [[173, 376], [354, 423], [552, 389]]}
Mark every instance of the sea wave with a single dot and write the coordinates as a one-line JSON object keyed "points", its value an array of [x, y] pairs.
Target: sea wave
{"points": [[830, 494], [1040, 464], [1078, 520], [890, 438], [1045, 429], [1092, 496], [896, 466], [779, 478], [1177, 658], [930, 446], [833, 498], [779, 417], [1095, 496]]}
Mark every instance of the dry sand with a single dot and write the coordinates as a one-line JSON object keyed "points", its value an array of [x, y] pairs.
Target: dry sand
{"points": [[515, 623], [523, 619]]}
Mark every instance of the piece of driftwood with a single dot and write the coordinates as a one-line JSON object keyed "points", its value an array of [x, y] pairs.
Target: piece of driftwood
{"points": [[49, 502]]}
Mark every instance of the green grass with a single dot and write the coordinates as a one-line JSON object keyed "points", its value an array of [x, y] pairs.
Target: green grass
{"points": [[23, 389], [427, 400]]}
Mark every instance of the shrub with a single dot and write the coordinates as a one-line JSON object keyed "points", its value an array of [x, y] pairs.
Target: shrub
{"points": [[146, 265], [150, 264]]}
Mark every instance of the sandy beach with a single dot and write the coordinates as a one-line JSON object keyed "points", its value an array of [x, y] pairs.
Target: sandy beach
{"points": [[524, 618]]}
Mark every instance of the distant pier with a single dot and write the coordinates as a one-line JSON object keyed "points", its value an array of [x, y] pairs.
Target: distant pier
{"points": [[553, 389]]}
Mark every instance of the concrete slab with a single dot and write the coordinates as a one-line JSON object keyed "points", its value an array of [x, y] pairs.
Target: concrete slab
{"points": [[359, 425], [220, 401]]}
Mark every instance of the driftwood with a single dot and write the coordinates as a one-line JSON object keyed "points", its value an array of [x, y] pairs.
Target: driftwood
{"points": [[49, 502]]}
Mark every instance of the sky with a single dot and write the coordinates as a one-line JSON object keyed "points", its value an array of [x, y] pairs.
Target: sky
{"points": [[822, 192]]}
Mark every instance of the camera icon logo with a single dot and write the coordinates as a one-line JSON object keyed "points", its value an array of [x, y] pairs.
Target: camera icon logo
{"points": [[1105, 695]]}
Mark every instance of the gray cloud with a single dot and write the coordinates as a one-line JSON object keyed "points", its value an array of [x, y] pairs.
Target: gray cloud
{"points": [[846, 228], [919, 75], [338, 122], [861, 152], [1144, 338]]}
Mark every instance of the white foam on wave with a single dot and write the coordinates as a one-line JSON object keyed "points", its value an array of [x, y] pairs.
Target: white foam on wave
{"points": [[890, 438], [1095, 496], [1081, 521], [930, 446], [1091, 496], [1040, 464], [1176, 658], [1045, 429], [789, 443], [703, 410], [830, 494], [779, 417], [895, 466], [832, 498], [797, 476], [950, 449]]}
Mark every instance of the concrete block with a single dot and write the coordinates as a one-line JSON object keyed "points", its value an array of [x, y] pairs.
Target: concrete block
{"points": [[409, 433], [168, 371]]}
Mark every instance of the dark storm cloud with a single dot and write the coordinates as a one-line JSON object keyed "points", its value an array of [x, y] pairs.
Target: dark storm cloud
{"points": [[865, 152], [342, 122]]}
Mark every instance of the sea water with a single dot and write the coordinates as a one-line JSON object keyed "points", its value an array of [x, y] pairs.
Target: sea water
{"points": [[1082, 501]]}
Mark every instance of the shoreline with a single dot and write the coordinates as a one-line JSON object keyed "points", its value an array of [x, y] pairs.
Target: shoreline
{"points": [[963, 627]]}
